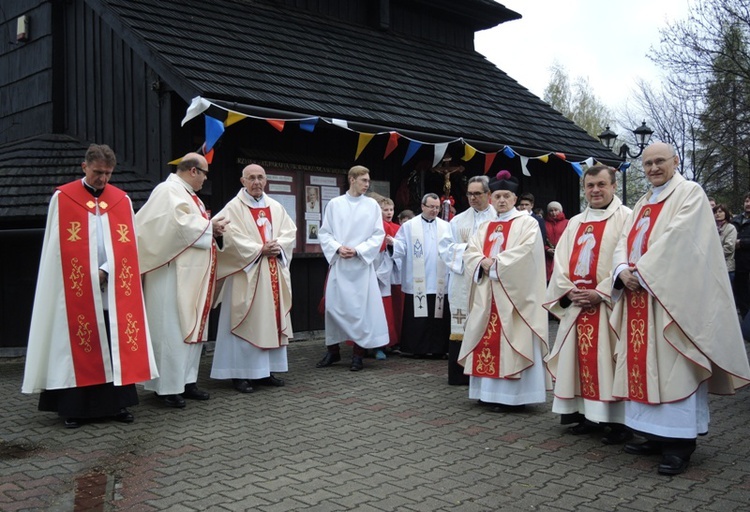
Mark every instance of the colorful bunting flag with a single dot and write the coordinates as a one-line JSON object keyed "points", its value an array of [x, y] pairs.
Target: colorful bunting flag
{"points": [[411, 150], [340, 123], [544, 158], [197, 106], [488, 159], [440, 149], [561, 156], [233, 117], [364, 140], [392, 144], [577, 168], [308, 125], [277, 123], [507, 151], [524, 163], [214, 130], [469, 152], [176, 161]]}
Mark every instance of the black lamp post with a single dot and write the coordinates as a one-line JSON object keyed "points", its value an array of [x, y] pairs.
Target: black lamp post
{"points": [[642, 135]]}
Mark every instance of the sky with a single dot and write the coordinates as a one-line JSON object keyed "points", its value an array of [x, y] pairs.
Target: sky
{"points": [[605, 41]]}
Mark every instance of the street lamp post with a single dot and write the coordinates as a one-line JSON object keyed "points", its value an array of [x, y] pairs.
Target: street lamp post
{"points": [[642, 135]]}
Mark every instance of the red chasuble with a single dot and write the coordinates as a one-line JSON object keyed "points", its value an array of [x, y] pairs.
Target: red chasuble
{"points": [[637, 305], [486, 355], [582, 271], [263, 221], [129, 331], [211, 279]]}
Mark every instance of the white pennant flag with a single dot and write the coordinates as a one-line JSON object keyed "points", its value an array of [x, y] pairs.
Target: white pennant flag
{"points": [[196, 108], [340, 122], [524, 161], [440, 150]]}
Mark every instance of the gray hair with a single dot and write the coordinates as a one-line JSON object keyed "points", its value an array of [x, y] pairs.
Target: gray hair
{"points": [[429, 195], [484, 180]]}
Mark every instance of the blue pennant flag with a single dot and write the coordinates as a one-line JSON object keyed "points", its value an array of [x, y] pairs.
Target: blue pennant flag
{"points": [[508, 152], [411, 150], [214, 131], [577, 168], [308, 124]]}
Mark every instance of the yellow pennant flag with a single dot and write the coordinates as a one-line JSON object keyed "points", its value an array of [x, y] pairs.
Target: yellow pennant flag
{"points": [[233, 117], [469, 152], [175, 161], [364, 140], [544, 158]]}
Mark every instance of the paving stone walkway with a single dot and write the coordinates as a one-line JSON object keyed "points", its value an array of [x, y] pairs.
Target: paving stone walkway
{"points": [[394, 437]]}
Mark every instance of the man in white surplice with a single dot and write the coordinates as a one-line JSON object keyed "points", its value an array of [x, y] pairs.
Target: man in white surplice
{"points": [[463, 227], [255, 322], [421, 246], [351, 236]]}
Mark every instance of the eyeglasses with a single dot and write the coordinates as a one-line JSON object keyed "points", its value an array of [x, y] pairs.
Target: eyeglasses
{"points": [[475, 194], [204, 171]]}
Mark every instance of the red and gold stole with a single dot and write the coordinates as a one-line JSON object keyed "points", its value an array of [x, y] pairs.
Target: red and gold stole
{"points": [[486, 355], [265, 213], [76, 208], [212, 272], [637, 312], [582, 272]]}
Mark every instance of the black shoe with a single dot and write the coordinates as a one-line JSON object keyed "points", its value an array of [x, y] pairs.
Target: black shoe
{"points": [[357, 364], [507, 408], [242, 385], [647, 448], [617, 436], [193, 393], [673, 465], [124, 416], [583, 428], [273, 381], [328, 360], [72, 423], [175, 401]]}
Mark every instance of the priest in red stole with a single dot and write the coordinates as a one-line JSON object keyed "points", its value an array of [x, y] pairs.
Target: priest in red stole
{"points": [[506, 331], [679, 337], [255, 323], [582, 358], [178, 263], [89, 340]]}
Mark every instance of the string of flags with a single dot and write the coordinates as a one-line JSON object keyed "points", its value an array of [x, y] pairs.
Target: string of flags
{"points": [[218, 118]]}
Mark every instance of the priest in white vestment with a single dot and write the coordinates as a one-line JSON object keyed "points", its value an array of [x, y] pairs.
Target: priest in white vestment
{"points": [[679, 337], [463, 227], [582, 358], [178, 262], [351, 236], [506, 332], [253, 268], [420, 248], [89, 341]]}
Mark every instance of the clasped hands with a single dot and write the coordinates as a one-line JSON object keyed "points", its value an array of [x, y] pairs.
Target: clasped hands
{"points": [[630, 279], [346, 252], [271, 248], [584, 298]]}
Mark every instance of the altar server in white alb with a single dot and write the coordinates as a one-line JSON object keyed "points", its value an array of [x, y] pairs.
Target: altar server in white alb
{"points": [[178, 262], [351, 236], [582, 358], [679, 337], [506, 332], [420, 246], [463, 227], [89, 340], [255, 323]]}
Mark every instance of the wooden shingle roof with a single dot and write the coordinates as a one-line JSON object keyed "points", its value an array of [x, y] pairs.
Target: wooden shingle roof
{"points": [[275, 57], [32, 168]]}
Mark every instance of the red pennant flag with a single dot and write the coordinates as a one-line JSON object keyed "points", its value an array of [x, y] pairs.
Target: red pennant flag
{"points": [[488, 159], [561, 156], [209, 156], [276, 123], [392, 144]]}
